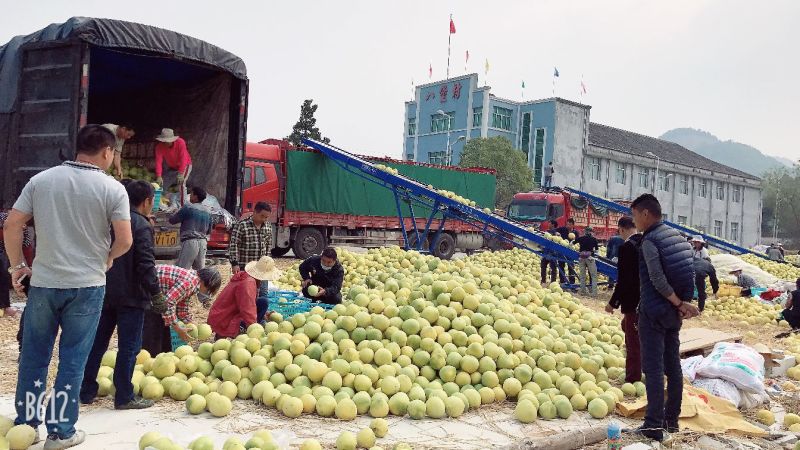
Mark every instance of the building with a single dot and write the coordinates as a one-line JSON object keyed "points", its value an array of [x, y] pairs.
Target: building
{"points": [[600, 159]]}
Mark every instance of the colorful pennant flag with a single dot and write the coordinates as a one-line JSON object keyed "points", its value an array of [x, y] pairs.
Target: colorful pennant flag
{"points": [[555, 71], [452, 25]]}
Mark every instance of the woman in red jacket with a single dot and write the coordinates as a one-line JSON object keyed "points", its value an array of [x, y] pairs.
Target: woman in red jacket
{"points": [[235, 307]]}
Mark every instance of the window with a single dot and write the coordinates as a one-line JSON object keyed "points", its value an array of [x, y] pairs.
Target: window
{"points": [[644, 177], [720, 191], [526, 136], [440, 123], [436, 157], [412, 127], [594, 168], [261, 176], [663, 181], [734, 231], [538, 153], [477, 116], [684, 188], [248, 176], [717, 228], [665, 217], [682, 220], [410, 156], [702, 188], [501, 118], [620, 173], [737, 194]]}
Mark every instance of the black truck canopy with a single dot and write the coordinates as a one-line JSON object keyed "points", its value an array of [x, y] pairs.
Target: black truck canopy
{"points": [[113, 34]]}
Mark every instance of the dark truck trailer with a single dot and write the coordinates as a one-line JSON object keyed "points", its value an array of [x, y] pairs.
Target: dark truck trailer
{"points": [[88, 70]]}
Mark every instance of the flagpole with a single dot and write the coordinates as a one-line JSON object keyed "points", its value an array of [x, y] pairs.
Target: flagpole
{"points": [[554, 84], [449, 36]]}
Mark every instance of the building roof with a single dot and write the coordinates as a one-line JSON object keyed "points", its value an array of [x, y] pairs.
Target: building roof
{"points": [[638, 144]]}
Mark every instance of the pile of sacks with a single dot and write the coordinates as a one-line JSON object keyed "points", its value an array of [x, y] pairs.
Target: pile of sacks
{"points": [[732, 371], [724, 263]]}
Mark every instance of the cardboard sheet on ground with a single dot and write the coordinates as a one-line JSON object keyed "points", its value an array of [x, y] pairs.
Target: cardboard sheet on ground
{"points": [[701, 411]]}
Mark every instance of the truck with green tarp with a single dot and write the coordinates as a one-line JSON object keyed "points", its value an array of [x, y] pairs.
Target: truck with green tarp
{"points": [[316, 203]]}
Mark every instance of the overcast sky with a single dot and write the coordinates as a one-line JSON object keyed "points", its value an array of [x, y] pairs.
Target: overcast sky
{"points": [[729, 67]]}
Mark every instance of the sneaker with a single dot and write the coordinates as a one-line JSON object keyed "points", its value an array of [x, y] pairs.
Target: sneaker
{"points": [[136, 403], [36, 437], [671, 427], [655, 434], [56, 443]]}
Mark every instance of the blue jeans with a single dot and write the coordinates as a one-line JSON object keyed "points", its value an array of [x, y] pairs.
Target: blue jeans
{"points": [[660, 352], [128, 322], [77, 312]]}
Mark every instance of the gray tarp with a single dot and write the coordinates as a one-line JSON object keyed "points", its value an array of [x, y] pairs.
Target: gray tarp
{"points": [[112, 34]]}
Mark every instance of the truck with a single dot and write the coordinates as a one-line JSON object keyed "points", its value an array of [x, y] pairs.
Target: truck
{"points": [[88, 70], [316, 203], [537, 208]]}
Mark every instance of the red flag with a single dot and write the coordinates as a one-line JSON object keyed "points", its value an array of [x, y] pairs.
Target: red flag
{"points": [[430, 70], [452, 26]]}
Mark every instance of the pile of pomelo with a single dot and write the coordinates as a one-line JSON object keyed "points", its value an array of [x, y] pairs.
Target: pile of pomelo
{"points": [[745, 311]]}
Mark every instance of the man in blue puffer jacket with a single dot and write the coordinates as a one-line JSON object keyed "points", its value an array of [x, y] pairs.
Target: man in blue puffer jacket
{"points": [[666, 275]]}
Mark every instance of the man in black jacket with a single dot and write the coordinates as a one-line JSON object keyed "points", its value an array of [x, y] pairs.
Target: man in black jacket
{"points": [[626, 296], [131, 286], [704, 269], [326, 273], [565, 232]]}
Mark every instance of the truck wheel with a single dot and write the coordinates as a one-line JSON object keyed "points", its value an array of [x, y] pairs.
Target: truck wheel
{"points": [[277, 252], [309, 241], [445, 247]]}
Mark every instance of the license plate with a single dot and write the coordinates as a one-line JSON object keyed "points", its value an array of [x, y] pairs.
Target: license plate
{"points": [[166, 238]]}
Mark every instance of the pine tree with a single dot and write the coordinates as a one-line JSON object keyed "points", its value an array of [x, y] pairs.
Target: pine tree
{"points": [[306, 126]]}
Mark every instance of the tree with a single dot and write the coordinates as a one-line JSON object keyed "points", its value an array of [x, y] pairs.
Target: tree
{"points": [[306, 126], [781, 186], [513, 173]]}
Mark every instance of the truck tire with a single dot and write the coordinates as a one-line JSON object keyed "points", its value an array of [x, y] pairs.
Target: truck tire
{"points": [[277, 252], [445, 247], [308, 242]]}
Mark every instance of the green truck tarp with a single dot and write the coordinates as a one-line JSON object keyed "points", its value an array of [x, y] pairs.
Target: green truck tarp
{"points": [[317, 184]]}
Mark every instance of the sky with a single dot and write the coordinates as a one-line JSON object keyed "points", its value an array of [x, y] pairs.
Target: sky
{"points": [[725, 66]]}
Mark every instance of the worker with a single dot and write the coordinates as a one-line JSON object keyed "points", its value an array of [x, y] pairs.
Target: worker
{"points": [[568, 232], [237, 306], [791, 313], [122, 133], [549, 259], [746, 282], [699, 247], [704, 269], [612, 252], [178, 286], [548, 176], [626, 296], [172, 150], [195, 220], [587, 246], [326, 273], [775, 253]]}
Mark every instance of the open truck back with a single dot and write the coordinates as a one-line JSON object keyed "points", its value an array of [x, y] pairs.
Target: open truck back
{"points": [[88, 70]]}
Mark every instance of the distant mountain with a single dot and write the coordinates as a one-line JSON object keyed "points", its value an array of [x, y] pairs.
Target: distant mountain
{"points": [[734, 154]]}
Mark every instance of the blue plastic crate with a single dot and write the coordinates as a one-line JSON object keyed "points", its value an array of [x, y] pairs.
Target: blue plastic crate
{"points": [[157, 200], [176, 340], [289, 303]]}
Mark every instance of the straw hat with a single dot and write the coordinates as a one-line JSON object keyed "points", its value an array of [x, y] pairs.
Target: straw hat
{"points": [[263, 270], [167, 135], [698, 238]]}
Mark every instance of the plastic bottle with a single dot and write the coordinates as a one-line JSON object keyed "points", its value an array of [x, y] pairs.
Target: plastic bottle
{"points": [[614, 436]]}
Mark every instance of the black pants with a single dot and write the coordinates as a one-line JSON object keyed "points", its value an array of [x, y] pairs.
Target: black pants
{"points": [[747, 292], [571, 268], [544, 265], [128, 322], [330, 299], [156, 337], [793, 317], [660, 349]]}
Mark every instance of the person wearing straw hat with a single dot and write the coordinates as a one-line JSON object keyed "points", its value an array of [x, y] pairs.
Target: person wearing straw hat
{"points": [[699, 247], [746, 282], [238, 305], [171, 149]]}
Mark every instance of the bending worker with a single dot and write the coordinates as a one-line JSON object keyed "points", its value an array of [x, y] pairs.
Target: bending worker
{"points": [[744, 281], [172, 150], [325, 273]]}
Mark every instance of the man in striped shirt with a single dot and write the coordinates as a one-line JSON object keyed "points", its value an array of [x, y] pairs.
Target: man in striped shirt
{"points": [[178, 285]]}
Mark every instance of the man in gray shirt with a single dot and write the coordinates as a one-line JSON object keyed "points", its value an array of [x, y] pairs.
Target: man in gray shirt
{"points": [[74, 206]]}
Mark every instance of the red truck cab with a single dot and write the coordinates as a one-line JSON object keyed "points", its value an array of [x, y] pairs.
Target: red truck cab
{"points": [[539, 207]]}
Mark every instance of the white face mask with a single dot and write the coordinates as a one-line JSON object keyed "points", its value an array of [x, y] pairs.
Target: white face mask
{"points": [[326, 268]]}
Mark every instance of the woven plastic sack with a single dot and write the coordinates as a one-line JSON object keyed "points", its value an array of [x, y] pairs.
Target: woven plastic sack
{"points": [[750, 400], [689, 367], [720, 388], [737, 363]]}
